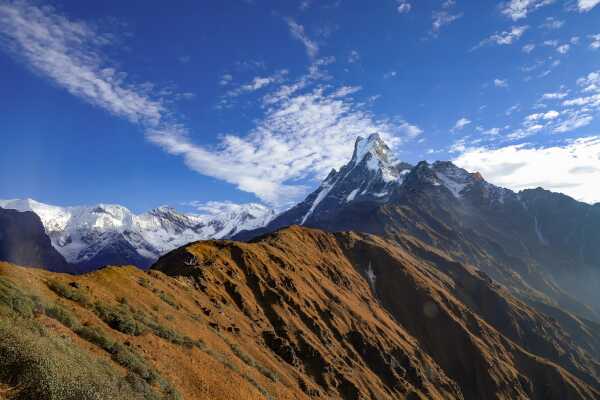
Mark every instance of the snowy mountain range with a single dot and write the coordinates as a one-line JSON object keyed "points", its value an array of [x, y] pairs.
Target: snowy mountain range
{"points": [[93, 236]]}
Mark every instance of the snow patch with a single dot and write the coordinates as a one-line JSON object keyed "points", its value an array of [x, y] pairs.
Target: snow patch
{"points": [[352, 195], [325, 189], [452, 185], [538, 232], [371, 277]]}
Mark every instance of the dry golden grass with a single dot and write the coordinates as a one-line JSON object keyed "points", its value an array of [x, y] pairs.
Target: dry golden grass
{"points": [[293, 317]]}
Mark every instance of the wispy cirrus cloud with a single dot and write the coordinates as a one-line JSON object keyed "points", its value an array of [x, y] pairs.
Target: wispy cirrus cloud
{"points": [[500, 83], [571, 110], [444, 16], [519, 9], [460, 124], [299, 33], [69, 53], [503, 38], [306, 127], [552, 23], [304, 133]]}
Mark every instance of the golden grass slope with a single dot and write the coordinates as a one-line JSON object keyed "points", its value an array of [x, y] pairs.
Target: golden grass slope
{"points": [[299, 314]]}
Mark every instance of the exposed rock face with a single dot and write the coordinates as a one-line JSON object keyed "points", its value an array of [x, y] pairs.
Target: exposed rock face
{"points": [[24, 242]]}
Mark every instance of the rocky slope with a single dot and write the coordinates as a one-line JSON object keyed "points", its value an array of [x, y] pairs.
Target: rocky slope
{"points": [[541, 244], [296, 315], [92, 237], [23, 241]]}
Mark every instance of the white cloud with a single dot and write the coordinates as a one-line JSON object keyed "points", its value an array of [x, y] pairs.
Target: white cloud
{"points": [[595, 41], [390, 74], [67, 52], [442, 18], [552, 23], [409, 130], [305, 5], [563, 49], [460, 124], [590, 82], [225, 79], [303, 133], [543, 116], [501, 83], [518, 9], [353, 57], [491, 132], [555, 95], [299, 33], [575, 121], [512, 110], [528, 48], [572, 169], [504, 38], [403, 6], [587, 5], [258, 82]]}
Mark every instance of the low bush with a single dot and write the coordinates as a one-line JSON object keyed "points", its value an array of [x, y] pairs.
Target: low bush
{"points": [[167, 298], [46, 367], [95, 336], [62, 315], [144, 282], [68, 292], [127, 358], [16, 301], [119, 318]]}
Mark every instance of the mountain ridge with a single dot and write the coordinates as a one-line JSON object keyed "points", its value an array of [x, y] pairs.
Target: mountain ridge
{"points": [[539, 243], [90, 237]]}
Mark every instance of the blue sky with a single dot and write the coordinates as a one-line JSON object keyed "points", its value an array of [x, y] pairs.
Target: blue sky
{"points": [[143, 104]]}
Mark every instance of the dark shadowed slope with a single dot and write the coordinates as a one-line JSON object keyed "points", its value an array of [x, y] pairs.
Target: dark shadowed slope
{"points": [[23, 241]]}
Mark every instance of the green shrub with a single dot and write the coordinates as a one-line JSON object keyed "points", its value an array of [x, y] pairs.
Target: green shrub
{"points": [[119, 318], [167, 298], [133, 362], [46, 367], [95, 336], [144, 282], [16, 301], [68, 292], [61, 315]]}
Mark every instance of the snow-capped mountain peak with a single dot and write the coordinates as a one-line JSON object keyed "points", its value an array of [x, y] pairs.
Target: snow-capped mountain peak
{"points": [[371, 175], [372, 145], [84, 233]]}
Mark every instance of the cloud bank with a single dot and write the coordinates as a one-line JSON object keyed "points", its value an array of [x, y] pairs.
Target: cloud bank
{"points": [[573, 169]]}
